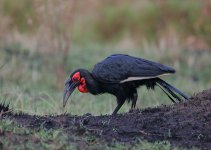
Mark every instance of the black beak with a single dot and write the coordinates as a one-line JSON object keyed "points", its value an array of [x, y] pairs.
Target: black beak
{"points": [[68, 90]]}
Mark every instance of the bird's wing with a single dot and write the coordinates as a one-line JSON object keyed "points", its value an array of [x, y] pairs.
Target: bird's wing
{"points": [[121, 68]]}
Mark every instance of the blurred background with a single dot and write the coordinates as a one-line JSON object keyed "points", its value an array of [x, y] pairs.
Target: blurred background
{"points": [[42, 41]]}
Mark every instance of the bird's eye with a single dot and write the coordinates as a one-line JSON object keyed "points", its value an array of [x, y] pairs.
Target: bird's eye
{"points": [[76, 77]]}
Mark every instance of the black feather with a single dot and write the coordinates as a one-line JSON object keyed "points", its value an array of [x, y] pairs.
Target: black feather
{"points": [[172, 89], [119, 67], [107, 75]]}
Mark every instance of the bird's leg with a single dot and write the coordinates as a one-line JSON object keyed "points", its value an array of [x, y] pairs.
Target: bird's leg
{"points": [[134, 100], [120, 102]]}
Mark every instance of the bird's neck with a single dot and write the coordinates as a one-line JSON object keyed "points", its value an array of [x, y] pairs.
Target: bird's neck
{"points": [[91, 84]]}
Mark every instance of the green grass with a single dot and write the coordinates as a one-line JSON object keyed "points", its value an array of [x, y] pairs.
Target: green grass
{"points": [[28, 78], [13, 136], [28, 83]]}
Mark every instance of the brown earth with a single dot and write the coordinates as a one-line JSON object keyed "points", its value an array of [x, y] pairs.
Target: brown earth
{"points": [[185, 124]]}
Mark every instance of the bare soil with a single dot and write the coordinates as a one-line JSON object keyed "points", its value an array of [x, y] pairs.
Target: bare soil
{"points": [[185, 124]]}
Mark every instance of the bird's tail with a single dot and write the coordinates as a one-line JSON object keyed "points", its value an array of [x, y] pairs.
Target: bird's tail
{"points": [[171, 91]]}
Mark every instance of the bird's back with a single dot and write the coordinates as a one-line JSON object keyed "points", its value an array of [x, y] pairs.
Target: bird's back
{"points": [[119, 67]]}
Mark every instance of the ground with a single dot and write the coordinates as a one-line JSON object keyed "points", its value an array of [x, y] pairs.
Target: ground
{"points": [[186, 124]]}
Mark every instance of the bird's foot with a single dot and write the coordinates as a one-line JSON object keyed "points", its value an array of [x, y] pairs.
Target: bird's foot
{"points": [[131, 110], [134, 110]]}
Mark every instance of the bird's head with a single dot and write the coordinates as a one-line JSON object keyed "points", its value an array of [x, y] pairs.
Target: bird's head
{"points": [[77, 79]]}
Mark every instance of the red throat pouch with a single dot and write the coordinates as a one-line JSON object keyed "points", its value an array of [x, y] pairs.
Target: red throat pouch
{"points": [[82, 87]]}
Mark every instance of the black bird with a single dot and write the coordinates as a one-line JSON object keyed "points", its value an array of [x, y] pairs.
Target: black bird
{"points": [[121, 75]]}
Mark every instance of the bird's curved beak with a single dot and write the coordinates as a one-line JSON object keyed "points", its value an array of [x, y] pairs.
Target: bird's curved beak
{"points": [[68, 90]]}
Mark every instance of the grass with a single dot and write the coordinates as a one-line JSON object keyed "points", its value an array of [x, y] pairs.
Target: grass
{"points": [[12, 136], [28, 83], [28, 78]]}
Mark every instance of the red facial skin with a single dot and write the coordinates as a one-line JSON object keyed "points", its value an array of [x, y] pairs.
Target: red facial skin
{"points": [[82, 86]]}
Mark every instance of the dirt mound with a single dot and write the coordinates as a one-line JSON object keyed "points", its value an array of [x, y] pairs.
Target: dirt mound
{"points": [[186, 124]]}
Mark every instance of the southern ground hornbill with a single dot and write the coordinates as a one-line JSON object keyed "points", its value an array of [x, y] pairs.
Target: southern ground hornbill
{"points": [[121, 75]]}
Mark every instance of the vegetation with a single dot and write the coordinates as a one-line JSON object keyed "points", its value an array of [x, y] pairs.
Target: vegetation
{"points": [[28, 80], [56, 139], [35, 37]]}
